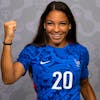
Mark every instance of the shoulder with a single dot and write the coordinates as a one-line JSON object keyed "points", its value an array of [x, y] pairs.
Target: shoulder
{"points": [[79, 47], [29, 50], [30, 47], [84, 54], [33, 49], [83, 49]]}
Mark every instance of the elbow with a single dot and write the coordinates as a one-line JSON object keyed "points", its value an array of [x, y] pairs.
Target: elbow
{"points": [[6, 82]]}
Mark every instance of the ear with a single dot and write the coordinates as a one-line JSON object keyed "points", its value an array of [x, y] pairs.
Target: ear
{"points": [[69, 26]]}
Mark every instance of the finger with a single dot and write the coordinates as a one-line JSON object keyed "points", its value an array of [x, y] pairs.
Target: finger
{"points": [[14, 25], [14, 28]]}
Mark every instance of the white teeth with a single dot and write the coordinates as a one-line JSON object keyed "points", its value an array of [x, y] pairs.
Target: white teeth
{"points": [[56, 35]]}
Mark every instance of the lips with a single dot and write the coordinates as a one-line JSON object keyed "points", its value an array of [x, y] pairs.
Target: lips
{"points": [[56, 36]]}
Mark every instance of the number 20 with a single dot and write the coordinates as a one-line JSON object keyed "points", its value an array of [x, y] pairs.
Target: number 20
{"points": [[69, 86]]}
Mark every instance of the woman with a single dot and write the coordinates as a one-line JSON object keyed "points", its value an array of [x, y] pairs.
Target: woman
{"points": [[56, 61]]}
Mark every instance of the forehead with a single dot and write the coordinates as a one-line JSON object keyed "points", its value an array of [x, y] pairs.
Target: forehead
{"points": [[56, 15]]}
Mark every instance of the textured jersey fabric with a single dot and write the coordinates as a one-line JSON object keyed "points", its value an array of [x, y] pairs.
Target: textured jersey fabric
{"points": [[56, 71]]}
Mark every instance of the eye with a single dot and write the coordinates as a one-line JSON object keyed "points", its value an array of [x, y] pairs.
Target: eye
{"points": [[49, 23], [63, 23]]}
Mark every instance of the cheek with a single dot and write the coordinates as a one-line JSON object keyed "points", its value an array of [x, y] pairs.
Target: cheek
{"points": [[61, 28], [65, 30], [49, 28]]}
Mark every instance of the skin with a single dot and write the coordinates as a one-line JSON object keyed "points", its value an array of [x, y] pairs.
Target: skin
{"points": [[11, 71], [57, 29]]}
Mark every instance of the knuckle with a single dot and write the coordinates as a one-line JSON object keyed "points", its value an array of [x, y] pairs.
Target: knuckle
{"points": [[10, 25]]}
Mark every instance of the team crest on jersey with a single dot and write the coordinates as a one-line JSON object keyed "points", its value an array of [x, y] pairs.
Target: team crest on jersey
{"points": [[77, 62]]}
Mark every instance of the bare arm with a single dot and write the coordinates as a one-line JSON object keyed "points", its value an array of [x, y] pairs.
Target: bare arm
{"points": [[11, 72], [87, 91]]}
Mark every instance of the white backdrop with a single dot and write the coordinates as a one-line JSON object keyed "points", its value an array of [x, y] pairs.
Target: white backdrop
{"points": [[27, 14]]}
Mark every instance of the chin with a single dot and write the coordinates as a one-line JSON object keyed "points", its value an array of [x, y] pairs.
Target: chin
{"points": [[56, 41]]}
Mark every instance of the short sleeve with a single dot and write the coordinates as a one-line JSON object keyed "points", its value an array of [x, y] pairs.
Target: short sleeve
{"points": [[84, 63], [25, 58]]}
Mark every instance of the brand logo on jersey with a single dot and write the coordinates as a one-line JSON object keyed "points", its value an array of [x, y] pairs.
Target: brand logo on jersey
{"points": [[77, 62], [44, 62]]}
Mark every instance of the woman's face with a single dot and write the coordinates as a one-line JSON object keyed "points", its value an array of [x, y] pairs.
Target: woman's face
{"points": [[57, 27]]}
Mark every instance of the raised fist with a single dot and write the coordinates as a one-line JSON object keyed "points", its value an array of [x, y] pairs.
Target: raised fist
{"points": [[9, 28]]}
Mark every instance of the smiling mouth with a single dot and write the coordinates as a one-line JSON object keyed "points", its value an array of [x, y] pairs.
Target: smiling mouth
{"points": [[56, 36]]}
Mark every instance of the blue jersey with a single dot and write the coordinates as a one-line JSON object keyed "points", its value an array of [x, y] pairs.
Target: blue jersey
{"points": [[56, 72]]}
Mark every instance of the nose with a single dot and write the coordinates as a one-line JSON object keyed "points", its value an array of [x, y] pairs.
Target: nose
{"points": [[56, 28]]}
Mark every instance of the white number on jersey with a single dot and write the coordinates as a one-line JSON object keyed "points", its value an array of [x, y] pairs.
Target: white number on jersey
{"points": [[63, 76]]}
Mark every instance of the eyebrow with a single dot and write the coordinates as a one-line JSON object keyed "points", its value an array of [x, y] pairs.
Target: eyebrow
{"points": [[59, 21]]}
